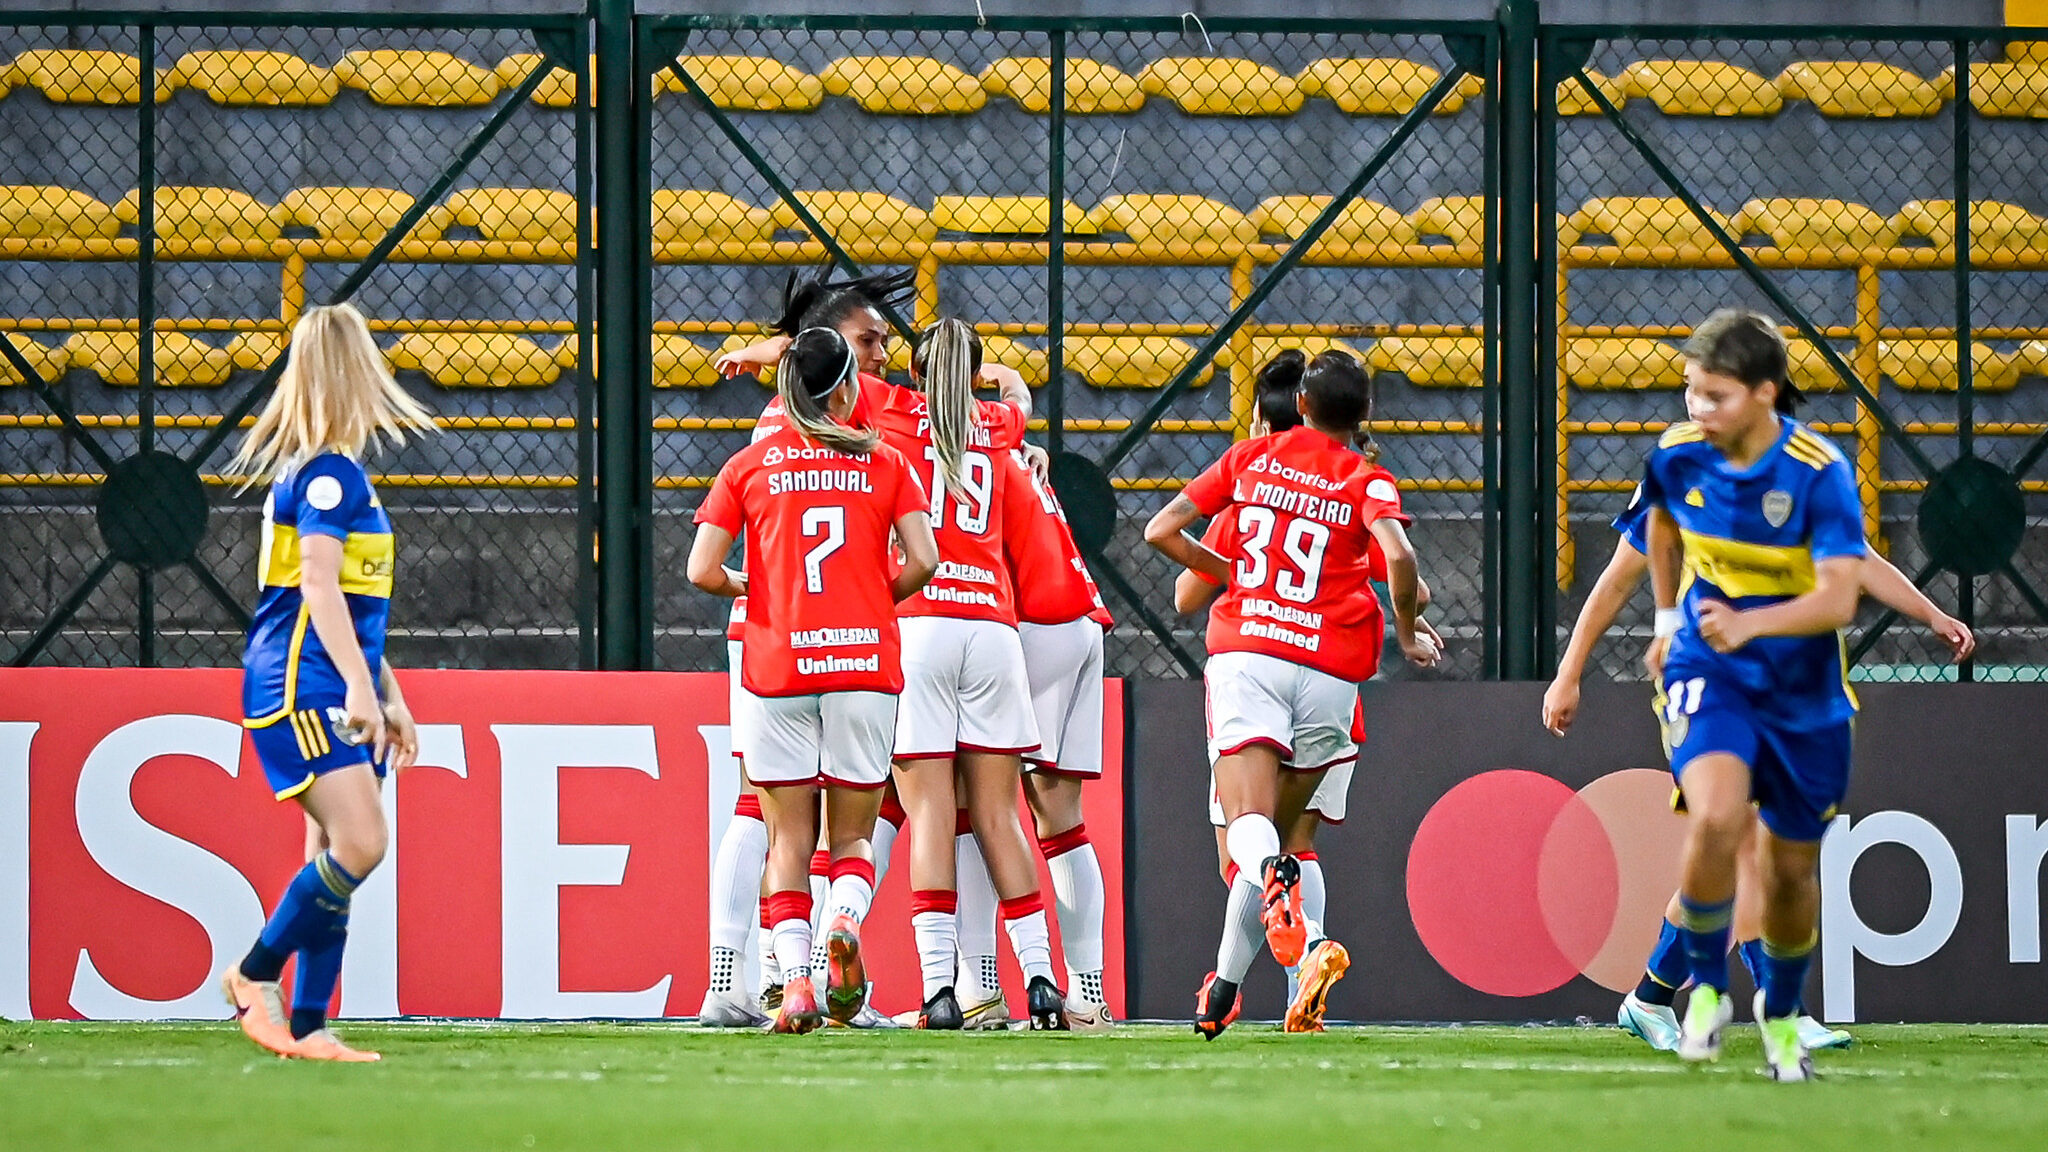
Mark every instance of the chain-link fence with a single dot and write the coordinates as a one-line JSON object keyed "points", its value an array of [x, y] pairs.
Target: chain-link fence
{"points": [[154, 254], [1188, 162], [1825, 183]]}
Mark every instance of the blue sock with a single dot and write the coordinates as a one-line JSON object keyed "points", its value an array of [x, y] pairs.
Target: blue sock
{"points": [[1668, 968], [312, 905], [1704, 932], [1752, 954], [1784, 976], [313, 989]]}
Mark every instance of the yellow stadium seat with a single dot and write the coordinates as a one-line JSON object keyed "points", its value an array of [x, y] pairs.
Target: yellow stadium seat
{"points": [[1828, 225], [1029, 362], [1432, 361], [1622, 362], [181, 361], [556, 90], [2005, 90], [1381, 87], [36, 211], [2030, 359], [747, 83], [1131, 361], [350, 215], [679, 362], [253, 351], [1222, 86], [203, 215], [1364, 227], [869, 225], [2027, 51], [507, 215], [1004, 216], [687, 216], [1573, 101], [269, 79], [1191, 228], [1644, 224], [411, 77], [49, 363], [1701, 88], [1859, 88], [904, 85], [1091, 87], [1458, 219], [1260, 349], [83, 76], [1810, 370], [476, 359], [1996, 228], [1930, 365]]}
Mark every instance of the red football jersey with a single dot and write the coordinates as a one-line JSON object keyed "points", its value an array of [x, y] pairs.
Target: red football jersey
{"points": [[972, 582], [771, 420], [1053, 583], [1301, 507], [816, 522]]}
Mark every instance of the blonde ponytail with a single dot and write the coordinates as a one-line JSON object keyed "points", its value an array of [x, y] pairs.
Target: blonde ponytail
{"points": [[948, 358], [818, 361], [334, 395]]}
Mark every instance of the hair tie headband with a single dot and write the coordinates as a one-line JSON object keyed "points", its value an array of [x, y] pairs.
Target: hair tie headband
{"points": [[846, 368]]}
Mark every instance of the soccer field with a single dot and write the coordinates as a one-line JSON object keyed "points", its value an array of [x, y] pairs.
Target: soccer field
{"points": [[100, 1086]]}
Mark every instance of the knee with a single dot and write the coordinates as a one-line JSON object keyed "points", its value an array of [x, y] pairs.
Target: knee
{"points": [[360, 850]]}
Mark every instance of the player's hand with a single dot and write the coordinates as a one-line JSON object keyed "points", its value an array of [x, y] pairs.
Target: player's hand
{"points": [[1653, 658], [1424, 628], [1560, 705], [365, 717], [1956, 634], [404, 737], [1723, 626], [1421, 648], [1039, 461], [752, 358]]}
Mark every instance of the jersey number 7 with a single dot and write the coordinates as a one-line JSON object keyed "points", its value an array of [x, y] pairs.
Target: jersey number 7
{"points": [[828, 521]]}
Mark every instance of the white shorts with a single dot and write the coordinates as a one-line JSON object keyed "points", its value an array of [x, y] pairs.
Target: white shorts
{"points": [[1302, 713], [739, 701], [964, 689], [1330, 803], [1064, 664], [834, 738]]}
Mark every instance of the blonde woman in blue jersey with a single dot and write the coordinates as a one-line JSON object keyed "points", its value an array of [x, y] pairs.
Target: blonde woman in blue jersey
{"points": [[324, 727], [1756, 557]]}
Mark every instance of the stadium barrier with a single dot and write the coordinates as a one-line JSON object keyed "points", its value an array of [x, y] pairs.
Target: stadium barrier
{"points": [[550, 853]]}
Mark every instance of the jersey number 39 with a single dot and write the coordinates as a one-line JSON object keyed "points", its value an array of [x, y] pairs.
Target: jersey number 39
{"points": [[1302, 545]]}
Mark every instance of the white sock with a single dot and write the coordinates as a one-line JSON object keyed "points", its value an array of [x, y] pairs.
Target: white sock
{"points": [[821, 887], [1078, 898], [1315, 897], [725, 965], [771, 969], [1243, 934], [793, 947], [884, 842], [736, 881], [1252, 840], [937, 938], [849, 896], [1031, 943], [977, 921]]}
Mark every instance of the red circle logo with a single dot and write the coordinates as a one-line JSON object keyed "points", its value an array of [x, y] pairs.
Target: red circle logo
{"points": [[1516, 883]]}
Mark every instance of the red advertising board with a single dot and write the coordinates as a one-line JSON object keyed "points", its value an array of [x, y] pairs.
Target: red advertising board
{"points": [[550, 852]]}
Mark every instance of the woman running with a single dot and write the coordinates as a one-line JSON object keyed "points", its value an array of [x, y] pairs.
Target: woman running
{"points": [[966, 718], [853, 309], [817, 501], [321, 704], [1295, 632]]}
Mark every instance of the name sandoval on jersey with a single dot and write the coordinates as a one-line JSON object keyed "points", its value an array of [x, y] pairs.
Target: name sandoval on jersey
{"points": [[825, 665], [835, 638], [818, 480]]}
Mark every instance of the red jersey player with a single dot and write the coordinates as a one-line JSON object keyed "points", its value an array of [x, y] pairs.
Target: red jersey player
{"points": [[817, 502], [966, 698], [1295, 631]]}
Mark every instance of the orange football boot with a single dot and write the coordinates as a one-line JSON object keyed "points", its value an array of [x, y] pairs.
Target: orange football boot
{"points": [[259, 1008], [1320, 970], [1286, 933]]}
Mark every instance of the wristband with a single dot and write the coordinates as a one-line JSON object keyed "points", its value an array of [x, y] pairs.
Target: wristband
{"points": [[1669, 621]]}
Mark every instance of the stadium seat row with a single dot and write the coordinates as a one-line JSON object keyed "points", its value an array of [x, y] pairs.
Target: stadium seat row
{"points": [[503, 360], [877, 226], [921, 85]]}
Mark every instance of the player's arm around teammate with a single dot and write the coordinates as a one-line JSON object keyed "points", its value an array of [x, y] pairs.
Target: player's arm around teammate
{"points": [[310, 669], [818, 502]]}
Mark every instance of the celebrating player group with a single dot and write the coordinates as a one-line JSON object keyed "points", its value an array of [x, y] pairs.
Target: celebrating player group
{"points": [[915, 641]]}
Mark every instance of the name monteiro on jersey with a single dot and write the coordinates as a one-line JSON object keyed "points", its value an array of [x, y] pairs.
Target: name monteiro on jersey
{"points": [[1296, 502]]}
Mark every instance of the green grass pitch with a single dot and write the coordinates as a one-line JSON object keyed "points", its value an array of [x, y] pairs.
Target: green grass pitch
{"points": [[600, 1086]]}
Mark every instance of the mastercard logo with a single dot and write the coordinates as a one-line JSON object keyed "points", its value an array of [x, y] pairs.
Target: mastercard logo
{"points": [[1516, 883]]}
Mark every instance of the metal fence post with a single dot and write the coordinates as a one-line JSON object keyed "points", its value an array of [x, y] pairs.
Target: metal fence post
{"points": [[1523, 568], [624, 440]]}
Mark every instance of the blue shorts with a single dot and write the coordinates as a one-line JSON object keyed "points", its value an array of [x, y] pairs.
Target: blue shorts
{"points": [[1796, 779], [302, 745]]}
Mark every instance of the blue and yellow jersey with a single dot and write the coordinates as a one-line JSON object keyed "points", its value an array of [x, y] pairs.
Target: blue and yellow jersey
{"points": [[284, 667], [1634, 522], [1752, 537]]}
